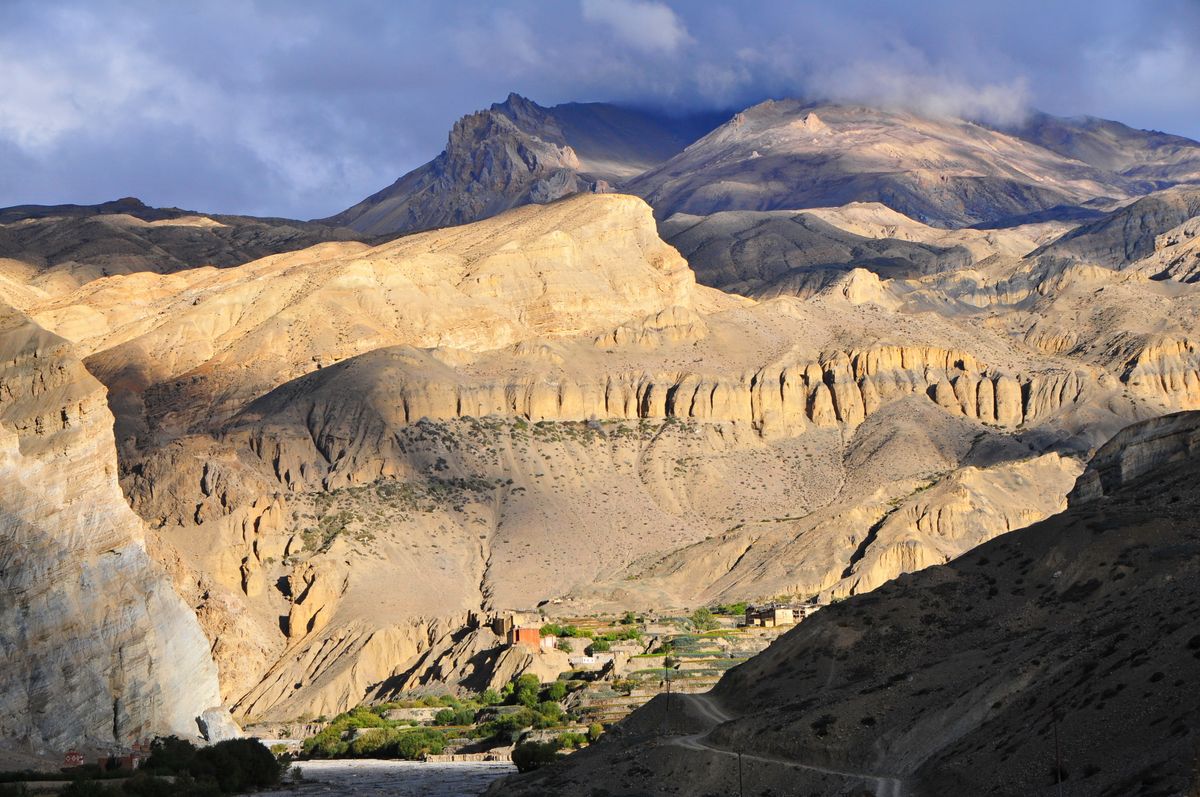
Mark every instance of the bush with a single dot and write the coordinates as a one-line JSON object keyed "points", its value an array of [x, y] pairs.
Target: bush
{"points": [[490, 697], [731, 609], [412, 745], [628, 619], [595, 731], [509, 727], [599, 646], [571, 740], [702, 619], [525, 690], [454, 716], [237, 765], [145, 785], [170, 755], [549, 714], [554, 629], [529, 756], [407, 743], [564, 645], [556, 691]]}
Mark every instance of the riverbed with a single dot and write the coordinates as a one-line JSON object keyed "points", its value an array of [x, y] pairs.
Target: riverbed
{"points": [[374, 778]]}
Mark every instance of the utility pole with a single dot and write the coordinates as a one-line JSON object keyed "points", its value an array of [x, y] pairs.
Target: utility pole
{"points": [[741, 791]]}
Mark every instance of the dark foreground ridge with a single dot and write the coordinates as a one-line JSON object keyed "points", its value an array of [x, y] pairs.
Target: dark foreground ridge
{"points": [[1065, 651]]}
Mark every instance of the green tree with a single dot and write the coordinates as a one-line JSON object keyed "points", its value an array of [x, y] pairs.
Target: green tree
{"points": [[702, 619], [556, 691], [525, 690]]}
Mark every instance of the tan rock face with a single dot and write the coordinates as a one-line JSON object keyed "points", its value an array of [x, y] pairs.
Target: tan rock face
{"points": [[581, 266], [99, 650], [1137, 450]]}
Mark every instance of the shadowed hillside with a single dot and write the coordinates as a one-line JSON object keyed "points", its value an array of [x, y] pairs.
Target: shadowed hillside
{"points": [[1075, 639]]}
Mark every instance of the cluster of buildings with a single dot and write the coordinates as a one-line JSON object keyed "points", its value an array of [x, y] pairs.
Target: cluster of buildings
{"points": [[126, 760]]}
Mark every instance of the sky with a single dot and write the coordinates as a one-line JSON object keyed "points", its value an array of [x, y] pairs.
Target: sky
{"points": [[300, 109]]}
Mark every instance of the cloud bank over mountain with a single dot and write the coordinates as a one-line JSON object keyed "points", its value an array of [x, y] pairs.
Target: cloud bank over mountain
{"points": [[310, 107]]}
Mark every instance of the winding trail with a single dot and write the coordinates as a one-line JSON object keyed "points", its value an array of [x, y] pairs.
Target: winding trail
{"points": [[705, 705]]}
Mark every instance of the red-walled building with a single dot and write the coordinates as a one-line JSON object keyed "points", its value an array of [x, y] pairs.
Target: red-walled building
{"points": [[531, 637]]}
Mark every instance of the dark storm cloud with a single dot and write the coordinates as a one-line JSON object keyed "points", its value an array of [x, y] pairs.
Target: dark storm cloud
{"points": [[302, 108]]}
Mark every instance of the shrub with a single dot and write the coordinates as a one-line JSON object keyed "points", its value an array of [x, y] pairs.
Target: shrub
{"points": [[237, 765], [529, 756], [554, 629], [563, 645], [507, 728], [454, 716], [490, 697], [170, 754], [702, 619], [599, 646], [549, 714], [571, 740], [731, 609], [525, 690], [145, 785], [412, 745], [628, 619], [595, 731], [556, 691]]}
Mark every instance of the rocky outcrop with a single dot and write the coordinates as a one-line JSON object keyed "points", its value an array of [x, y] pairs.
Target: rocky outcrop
{"points": [[95, 647], [1166, 368], [772, 253], [965, 510], [68, 245], [315, 590], [1129, 233], [517, 153], [1137, 450]]}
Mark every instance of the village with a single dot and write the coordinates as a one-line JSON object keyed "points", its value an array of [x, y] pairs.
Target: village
{"points": [[576, 676]]}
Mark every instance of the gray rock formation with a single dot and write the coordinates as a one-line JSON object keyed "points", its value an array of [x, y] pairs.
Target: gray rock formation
{"points": [[1129, 233], [518, 153], [216, 725]]}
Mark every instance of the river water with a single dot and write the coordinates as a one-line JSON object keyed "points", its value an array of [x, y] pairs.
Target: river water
{"points": [[372, 778]]}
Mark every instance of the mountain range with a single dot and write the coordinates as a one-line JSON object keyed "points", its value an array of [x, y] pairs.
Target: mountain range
{"points": [[594, 359]]}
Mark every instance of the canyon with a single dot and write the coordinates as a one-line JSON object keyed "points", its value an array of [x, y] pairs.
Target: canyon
{"points": [[285, 468]]}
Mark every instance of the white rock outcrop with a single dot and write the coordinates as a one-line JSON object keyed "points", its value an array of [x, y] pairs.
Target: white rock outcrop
{"points": [[95, 646]]}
